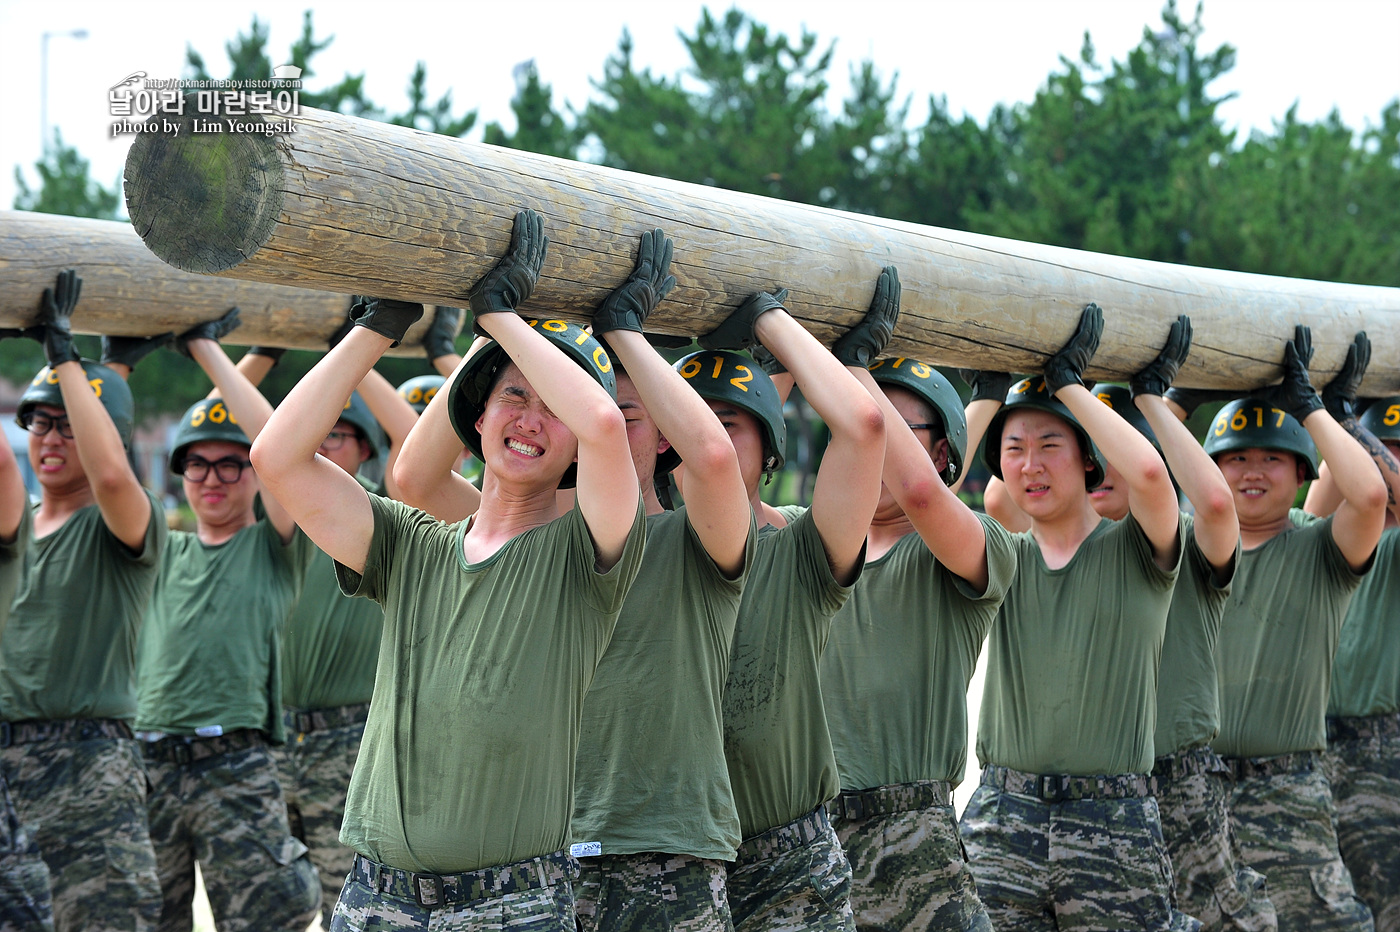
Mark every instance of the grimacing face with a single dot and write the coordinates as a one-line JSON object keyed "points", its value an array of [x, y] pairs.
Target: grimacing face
{"points": [[1042, 463], [521, 439]]}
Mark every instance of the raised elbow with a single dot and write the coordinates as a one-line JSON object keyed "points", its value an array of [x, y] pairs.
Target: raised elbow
{"points": [[867, 423], [1375, 495]]}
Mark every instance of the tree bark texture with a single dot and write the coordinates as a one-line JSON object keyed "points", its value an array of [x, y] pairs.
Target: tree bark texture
{"points": [[345, 204]]}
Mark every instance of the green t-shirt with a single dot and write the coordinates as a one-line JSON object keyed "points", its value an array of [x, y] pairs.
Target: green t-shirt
{"points": [[330, 646], [1278, 639], [209, 657], [895, 675], [1366, 673], [468, 755], [650, 774], [775, 738], [70, 648], [12, 564], [1072, 659], [1188, 693]]}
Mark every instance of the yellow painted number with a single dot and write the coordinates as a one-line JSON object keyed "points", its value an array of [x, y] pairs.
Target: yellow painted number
{"points": [[738, 382], [1392, 416], [691, 369]]}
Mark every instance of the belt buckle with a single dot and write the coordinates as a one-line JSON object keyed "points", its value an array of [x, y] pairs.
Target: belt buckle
{"points": [[1048, 788], [302, 722], [181, 753], [427, 890], [853, 807]]}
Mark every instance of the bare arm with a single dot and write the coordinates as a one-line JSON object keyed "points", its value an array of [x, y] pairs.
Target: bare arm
{"points": [[998, 503], [14, 500], [1360, 515], [423, 473], [1217, 527], [126, 510], [254, 366], [395, 415]]}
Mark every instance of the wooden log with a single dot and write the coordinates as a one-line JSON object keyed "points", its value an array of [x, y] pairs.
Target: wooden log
{"points": [[351, 205], [127, 291]]}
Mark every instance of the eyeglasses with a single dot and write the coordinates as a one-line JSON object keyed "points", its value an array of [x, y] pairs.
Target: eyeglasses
{"points": [[38, 423], [336, 439], [228, 470]]}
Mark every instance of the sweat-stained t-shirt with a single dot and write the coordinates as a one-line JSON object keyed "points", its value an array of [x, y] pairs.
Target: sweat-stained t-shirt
{"points": [[12, 564], [1366, 673], [1188, 692], [1072, 659], [1278, 640], [467, 759], [775, 737], [209, 655], [69, 650], [650, 774], [895, 672]]}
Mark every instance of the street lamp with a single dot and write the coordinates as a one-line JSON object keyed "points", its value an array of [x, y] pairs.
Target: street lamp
{"points": [[44, 81]]}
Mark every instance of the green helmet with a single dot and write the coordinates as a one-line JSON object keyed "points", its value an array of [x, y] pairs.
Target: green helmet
{"points": [[109, 387], [473, 383], [1255, 424], [930, 385], [358, 416], [1120, 399], [207, 419], [419, 390], [1031, 393], [723, 376], [1382, 418]]}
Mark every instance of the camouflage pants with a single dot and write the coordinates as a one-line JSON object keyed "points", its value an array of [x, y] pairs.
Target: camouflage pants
{"points": [[25, 902], [1082, 864], [87, 801], [1365, 777], [1285, 829], [534, 895], [792, 878], [226, 812], [909, 872], [1213, 883], [651, 892], [315, 768]]}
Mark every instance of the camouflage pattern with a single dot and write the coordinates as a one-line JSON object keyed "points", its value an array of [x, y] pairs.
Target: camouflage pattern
{"points": [[651, 892], [314, 768], [535, 895], [1082, 864], [226, 812], [909, 871], [1283, 821], [1213, 883], [793, 878], [85, 800], [1363, 765], [25, 902]]}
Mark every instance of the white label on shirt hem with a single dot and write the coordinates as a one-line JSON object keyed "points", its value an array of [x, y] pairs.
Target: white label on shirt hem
{"points": [[587, 849]]}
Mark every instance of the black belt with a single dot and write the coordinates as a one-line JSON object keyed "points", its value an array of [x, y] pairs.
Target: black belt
{"points": [[72, 729], [1170, 767], [1359, 728], [434, 890], [309, 720], [885, 800], [1242, 768], [177, 749], [1062, 787]]}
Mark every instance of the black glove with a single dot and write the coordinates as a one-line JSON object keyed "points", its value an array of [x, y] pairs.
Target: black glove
{"points": [[128, 351], [35, 333], [668, 341], [987, 386], [1157, 376], [509, 282], [56, 318], [863, 343], [767, 361], [736, 332], [209, 330], [271, 352], [441, 336], [1295, 394], [1067, 366], [1189, 399], [1339, 395], [632, 302], [386, 317]]}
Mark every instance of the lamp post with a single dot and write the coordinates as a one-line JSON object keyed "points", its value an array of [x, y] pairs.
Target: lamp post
{"points": [[44, 81]]}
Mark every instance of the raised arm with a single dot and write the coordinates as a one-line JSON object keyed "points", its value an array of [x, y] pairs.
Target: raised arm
{"points": [[997, 502], [14, 500], [121, 354], [395, 415], [440, 341], [988, 395], [423, 473]]}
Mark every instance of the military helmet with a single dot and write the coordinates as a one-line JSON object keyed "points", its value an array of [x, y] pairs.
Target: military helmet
{"points": [[1255, 424], [110, 388], [357, 414], [419, 390], [1032, 394], [206, 419], [1382, 418], [733, 377], [930, 385], [478, 374], [1120, 399]]}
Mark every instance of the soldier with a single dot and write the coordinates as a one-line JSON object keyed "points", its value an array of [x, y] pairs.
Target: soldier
{"points": [[209, 670], [67, 683], [1279, 634], [895, 674], [492, 627], [790, 872], [1064, 832]]}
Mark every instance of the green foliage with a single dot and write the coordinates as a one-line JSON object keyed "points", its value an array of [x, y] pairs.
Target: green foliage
{"points": [[538, 126], [436, 118], [66, 187]]}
